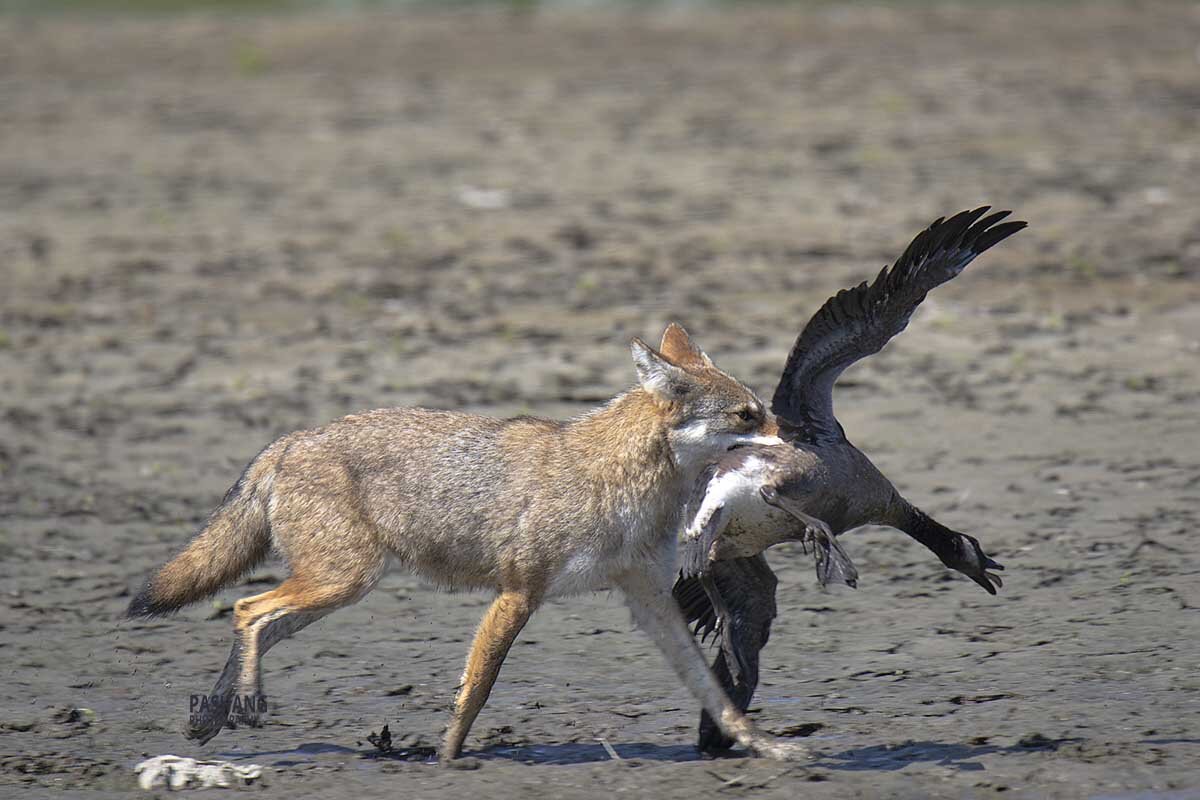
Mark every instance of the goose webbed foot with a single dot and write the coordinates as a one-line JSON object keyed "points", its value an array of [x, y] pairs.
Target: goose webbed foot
{"points": [[834, 564]]}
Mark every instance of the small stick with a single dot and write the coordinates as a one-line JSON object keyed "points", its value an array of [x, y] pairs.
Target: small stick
{"points": [[777, 775], [608, 748]]}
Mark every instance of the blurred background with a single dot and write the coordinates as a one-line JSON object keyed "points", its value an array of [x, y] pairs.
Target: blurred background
{"points": [[222, 221]]}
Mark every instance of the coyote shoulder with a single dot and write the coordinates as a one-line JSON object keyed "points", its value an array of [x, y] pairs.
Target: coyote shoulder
{"points": [[527, 508]]}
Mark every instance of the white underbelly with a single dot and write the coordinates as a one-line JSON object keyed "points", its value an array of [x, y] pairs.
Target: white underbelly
{"points": [[754, 525], [751, 524]]}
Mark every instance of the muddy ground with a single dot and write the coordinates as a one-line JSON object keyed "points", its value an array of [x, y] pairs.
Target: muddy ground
{"points": [[216, 230]]}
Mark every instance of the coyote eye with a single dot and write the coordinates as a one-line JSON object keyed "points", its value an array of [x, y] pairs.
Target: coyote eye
{"points": [[745, 414]]}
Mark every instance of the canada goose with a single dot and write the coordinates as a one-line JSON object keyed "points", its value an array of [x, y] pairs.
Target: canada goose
{"points": [[818, 485]]}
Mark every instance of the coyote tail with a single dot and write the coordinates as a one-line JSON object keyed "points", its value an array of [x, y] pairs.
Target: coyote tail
{"points": [[236, 538]]}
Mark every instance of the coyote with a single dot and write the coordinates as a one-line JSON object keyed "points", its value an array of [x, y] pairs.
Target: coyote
{"points": [[528, 508]]}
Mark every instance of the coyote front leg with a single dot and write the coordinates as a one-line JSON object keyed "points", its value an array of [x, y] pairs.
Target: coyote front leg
{"points": [[499, 628], [654, 610]]}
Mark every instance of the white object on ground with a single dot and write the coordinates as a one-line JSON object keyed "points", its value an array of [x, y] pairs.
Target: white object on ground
{"points": [[177, 772], [484, 199]]}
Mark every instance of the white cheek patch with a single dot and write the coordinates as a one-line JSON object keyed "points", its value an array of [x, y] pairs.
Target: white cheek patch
{"points": [[692, 433], [692, 444]]}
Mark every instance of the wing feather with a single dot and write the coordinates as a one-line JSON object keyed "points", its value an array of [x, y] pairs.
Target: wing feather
{"points": [[858, 322]]}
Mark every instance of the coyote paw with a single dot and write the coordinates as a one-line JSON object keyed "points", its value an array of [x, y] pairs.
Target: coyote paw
{"points": [[782, 751], [201, 729]]}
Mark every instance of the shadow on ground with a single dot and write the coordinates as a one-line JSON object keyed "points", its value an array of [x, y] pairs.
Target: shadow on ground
{"points": [[888, 757], [581, 753]]}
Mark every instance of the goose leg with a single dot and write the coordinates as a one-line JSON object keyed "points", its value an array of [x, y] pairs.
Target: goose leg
{"points": [[747, 589], [832, 562]]}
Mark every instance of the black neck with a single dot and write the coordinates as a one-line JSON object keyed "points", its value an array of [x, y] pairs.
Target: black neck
{"points": [[929, 532]]}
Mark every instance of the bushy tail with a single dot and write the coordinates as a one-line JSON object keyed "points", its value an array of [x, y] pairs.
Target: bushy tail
{"points": [[234, 541]]}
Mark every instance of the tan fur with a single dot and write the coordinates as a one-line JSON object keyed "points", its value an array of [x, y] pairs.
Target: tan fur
{"points": [[679, 347], [527, 508], [498, 630]]}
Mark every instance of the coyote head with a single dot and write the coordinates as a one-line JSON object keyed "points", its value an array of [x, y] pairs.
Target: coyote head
{"points": [[707, 411]]}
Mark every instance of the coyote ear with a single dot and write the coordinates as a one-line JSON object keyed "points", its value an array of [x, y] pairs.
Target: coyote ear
{"points": [[679, 347], [657, 374]]}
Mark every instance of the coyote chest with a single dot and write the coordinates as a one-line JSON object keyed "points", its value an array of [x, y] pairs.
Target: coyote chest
{"points": [[633, 531]]}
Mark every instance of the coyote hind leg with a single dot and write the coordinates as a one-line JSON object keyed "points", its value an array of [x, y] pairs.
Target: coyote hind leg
{"points": [[208, 724], [498, 630], [264, 620]]}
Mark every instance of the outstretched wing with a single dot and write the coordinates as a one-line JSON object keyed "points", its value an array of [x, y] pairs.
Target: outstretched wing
{"points": [[858, 322], [748, 587]]}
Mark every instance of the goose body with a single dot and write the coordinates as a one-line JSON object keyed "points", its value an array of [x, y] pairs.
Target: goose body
{"points": [[739, 511], [817, 484]]}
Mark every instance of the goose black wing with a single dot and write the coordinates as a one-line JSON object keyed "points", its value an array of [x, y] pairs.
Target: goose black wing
{"points": [[858, 322], [748, 588]]}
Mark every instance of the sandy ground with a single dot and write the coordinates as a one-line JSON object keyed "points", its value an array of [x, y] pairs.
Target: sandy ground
{"points": [[216, 231]]}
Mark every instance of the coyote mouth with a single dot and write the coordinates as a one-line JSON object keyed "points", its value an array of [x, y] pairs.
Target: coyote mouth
{"points": [[748, 441]]}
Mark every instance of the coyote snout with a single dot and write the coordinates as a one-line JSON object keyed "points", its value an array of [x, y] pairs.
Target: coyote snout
{"points": [[526, 508]]}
